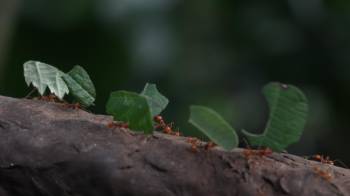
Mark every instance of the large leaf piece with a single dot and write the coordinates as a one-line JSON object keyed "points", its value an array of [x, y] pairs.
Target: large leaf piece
{"points": [[288, 113], [81, 86], [214, 126], [157, 102], [131, 108], [42, 75]]}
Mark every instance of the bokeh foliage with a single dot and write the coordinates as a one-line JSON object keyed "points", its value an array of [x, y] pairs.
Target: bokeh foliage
{"points": [[211, 52]]}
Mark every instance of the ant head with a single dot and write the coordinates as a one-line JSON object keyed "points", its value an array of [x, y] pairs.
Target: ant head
{"points": [[158, 118]]}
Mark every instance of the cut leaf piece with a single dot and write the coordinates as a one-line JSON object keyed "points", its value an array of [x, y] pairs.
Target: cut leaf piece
{"points": [[214, 126], [42, 75], [288, 113], [131, 108], [157, 102], [80, 86]]}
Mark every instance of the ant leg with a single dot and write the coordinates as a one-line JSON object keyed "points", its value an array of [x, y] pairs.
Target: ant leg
{"points": [[30, 93]]}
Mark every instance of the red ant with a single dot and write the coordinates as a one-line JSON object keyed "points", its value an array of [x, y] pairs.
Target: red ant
{"points": [[260, 152], [74, 106], [326, 160], [194, 143], [54, 98], [50, 98], [209, 145], [248, 152], [322, 159], [113, 124], [166, 128]]}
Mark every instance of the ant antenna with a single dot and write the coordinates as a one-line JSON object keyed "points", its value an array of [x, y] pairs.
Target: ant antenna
{"points": [[246, 142]]}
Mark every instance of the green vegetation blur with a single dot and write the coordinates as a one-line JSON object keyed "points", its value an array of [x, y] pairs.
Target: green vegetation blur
{"points": [[217, 53]]}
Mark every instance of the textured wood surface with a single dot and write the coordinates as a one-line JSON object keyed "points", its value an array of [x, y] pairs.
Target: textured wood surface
{"points": [[47, 149]]}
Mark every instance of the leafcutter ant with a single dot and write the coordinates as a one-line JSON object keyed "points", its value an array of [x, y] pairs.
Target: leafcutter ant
{"points": [[50, 98], [54, 98], [194, 143], [74, 106], [247, 153], [326, 160], [322, 159], [114, 124], [163, 126], [209, 145]]}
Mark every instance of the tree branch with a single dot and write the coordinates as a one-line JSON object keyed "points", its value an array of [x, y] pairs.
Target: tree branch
{"points": [[47, 149]]}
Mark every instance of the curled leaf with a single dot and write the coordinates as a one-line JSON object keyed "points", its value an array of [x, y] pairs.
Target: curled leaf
{"points": [[288, 113]]}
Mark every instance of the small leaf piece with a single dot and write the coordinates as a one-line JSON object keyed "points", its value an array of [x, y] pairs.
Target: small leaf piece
{"points": [[288, 113], [80, 85], [156, 101], [131, 108], [214, 126], [42, 75]]}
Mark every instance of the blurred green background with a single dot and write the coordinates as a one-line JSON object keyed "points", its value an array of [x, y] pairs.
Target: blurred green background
{"points": [[218, 53]]}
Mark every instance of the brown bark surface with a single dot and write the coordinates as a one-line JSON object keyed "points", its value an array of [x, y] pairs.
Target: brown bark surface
{"points": [[47, 149]]}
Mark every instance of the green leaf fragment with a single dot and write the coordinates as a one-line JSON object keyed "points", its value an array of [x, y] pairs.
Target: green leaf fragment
{"points": [[80, 86], [214, 126], [288, 114], [131, 108], [42, 75], [157, 102]]}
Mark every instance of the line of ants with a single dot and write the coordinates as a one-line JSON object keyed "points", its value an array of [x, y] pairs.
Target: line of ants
{"points": [[55, 99], [195, 143], [167, 128]]}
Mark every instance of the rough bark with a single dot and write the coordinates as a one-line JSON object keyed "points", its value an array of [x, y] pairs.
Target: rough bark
{"points": [[47, 149]]}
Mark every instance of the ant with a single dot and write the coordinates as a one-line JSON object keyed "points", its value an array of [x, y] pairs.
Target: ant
{"points": [[326, 160], [209, 145], [322, 159], [166, 128], [114, 124], [50, 98], [260, 152], [74, 106], [54, 98], [195, 142]]}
